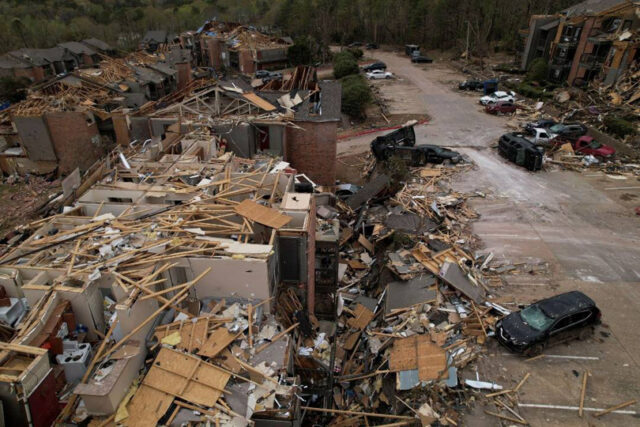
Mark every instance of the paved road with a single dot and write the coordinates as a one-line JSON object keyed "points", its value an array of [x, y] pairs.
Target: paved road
{"points": [[582, 224]]}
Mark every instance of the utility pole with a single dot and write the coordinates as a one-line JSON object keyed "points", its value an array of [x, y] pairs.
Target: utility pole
{"points": [[468, 28]]}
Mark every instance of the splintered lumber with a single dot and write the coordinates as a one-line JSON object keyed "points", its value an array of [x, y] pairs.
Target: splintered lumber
{"points": [[365, 414], [583, 392], [176, 299], [615, 408], [522, 381]]}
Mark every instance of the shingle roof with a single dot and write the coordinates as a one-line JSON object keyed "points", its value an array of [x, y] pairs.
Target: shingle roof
{"points": [[589, 7], [78, 48], [97, 44]]}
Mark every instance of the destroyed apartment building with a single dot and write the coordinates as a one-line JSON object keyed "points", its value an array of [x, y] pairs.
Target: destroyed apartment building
{"points": [[73, 120], [42, 64], [233, 46], [592, 39], [186, 283]]}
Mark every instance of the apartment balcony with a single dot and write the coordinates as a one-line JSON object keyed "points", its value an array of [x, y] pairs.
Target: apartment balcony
{"points": [[591, 62]]}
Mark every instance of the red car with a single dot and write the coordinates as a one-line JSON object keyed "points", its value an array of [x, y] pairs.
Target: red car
{"points": [[503, 107], [587, 145]]}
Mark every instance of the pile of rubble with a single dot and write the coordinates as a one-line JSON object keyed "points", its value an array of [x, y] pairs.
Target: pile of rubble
{"points": [[414, 304]]}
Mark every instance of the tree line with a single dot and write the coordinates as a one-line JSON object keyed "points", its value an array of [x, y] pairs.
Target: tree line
{"points": [[445, 24]]}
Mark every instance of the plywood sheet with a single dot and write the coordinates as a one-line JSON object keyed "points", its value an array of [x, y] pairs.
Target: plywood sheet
{"points": [[146, 407], [192, 335], [262, 214], [403, 355], [432, 360], [217, 341], [363, 316], [259, 102], [185, 376]]}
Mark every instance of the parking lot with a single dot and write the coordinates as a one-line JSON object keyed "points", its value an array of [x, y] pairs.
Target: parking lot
{"points": [[581, 226]]}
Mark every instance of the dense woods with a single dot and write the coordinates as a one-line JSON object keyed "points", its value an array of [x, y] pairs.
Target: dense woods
{"points": [[431, 23]]}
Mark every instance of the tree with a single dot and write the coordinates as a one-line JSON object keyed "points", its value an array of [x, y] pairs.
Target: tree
{"points": [[538, 70], [18, 26], [300, 52], [356, 94]]}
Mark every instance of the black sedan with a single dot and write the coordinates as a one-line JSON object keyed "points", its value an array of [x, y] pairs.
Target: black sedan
{"points": [[421, 59], [375, 66], [557, 319]]}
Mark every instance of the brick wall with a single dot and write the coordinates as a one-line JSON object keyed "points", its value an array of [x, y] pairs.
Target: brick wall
{"points": [[312, 151], [75, 139]]}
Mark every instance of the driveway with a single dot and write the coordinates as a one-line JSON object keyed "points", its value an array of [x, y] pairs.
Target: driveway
{"points": [[581, 224]]}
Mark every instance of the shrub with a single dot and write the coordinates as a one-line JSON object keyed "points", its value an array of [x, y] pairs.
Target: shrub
{"points": [[525, 89], [618, 126], [538, 70], [344, 67], [356, 94], [357, 53]]}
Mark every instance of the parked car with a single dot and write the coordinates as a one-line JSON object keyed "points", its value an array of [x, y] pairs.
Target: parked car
{"points": [[471, 85], [501, 107], [419, 59], [498, 96], [540, 136], [267, 76], [569, 131], [588, 146], [515, 148], [375, 66], [379, 74], [541, 124], [410, 48], [372, 46], [547, 322]]}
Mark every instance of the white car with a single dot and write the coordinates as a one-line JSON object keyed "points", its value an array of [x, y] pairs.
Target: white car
{"points": [[379, 74], [498, 96], [541, 136]]}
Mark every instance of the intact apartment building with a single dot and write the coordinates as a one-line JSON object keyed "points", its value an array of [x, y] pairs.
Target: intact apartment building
{"points": [[595, 39]]}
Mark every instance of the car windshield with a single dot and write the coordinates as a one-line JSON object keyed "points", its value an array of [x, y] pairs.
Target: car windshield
{"points": [[556, 128], [535, 318], [595, 144]]}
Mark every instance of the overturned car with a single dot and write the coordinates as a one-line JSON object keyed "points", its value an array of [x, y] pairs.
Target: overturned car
{"points": [[522, 152], [401, 143]]}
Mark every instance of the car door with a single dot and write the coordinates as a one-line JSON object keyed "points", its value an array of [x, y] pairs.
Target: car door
{"points": [[558, 332]]}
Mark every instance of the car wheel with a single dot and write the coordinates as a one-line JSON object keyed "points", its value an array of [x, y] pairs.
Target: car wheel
{"points": [[387, 77], [534, 350], [585, 334]]}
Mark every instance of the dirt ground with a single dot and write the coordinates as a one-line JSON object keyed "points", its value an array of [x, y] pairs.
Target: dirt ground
{"points": [[19, 201], [580, 227]]}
